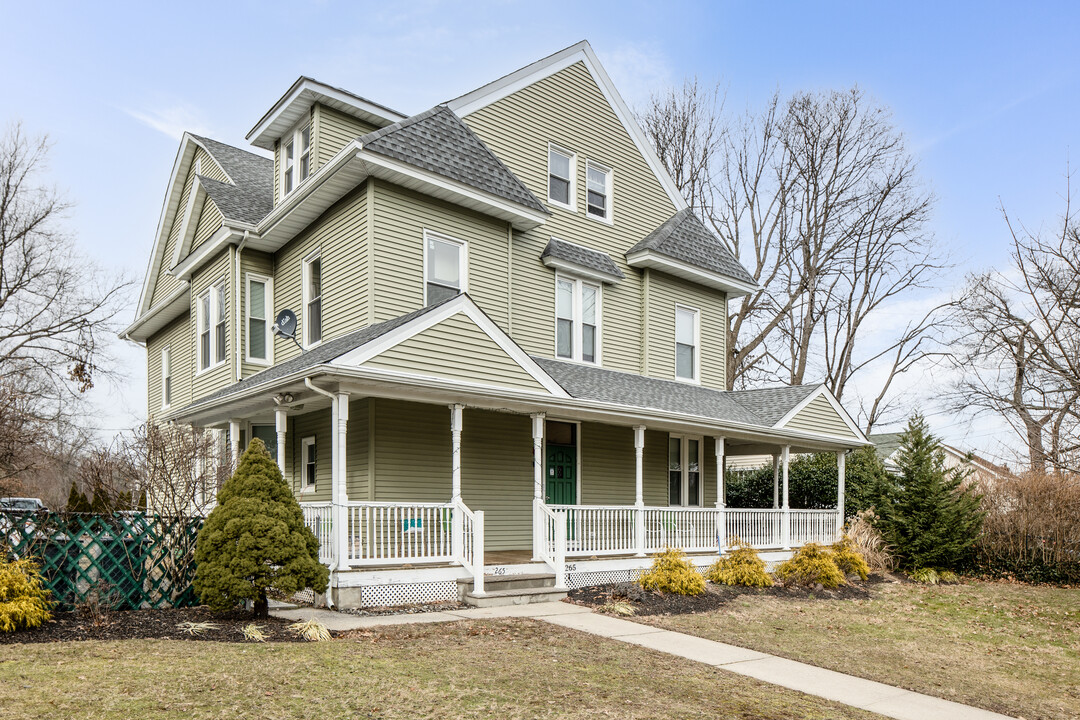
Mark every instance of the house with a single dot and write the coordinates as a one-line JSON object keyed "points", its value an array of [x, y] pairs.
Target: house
{"points": [[984, 472], [509, 355]]}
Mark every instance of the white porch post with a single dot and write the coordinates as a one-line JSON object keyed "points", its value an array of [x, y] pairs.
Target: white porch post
{"points": [[786, 527], [721, 518], [841, 471], [281, 424], [538, 483], [234, 441], [776, 481], [455, 452], [639, 490], [340, 446]]}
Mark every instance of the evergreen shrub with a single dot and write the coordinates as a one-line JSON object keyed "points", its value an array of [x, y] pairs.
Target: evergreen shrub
{"points": [[24, 600], [811, 565], [741, 566], [848, 558], [671, 572]]}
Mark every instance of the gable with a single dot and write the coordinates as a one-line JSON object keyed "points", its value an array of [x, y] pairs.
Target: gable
{"points": [[456, 349], [820, 417]]}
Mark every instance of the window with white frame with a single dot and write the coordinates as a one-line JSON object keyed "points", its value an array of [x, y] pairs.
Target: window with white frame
{"points": [[684, 471], [259, 310], [561, 170], [295, 158], [308, 457], [445, 267], [313, 299], [577, 319], [687, 343], [166, 377], [598, 182], [211, 327]]}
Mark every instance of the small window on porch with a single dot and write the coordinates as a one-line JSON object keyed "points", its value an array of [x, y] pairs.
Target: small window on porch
{"points": [[308, 458]]}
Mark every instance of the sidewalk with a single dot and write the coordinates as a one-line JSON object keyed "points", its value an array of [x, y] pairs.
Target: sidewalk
{"points": [[876, 697]]}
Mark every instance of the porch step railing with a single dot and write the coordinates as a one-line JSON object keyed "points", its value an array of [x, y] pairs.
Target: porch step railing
{"points": [[469, 537], [553, 534]]}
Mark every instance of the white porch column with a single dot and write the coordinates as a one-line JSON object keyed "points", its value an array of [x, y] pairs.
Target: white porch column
{"points": [[339, 446], [234, 441], [841, 471], [639, 490], [538, 482], [281, 424], [776, 481], [721, 518], [455, 451], [786, 527]]}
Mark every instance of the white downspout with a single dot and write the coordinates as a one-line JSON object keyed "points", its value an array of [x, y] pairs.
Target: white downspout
{"points": [[335, 508], [239, 311]]}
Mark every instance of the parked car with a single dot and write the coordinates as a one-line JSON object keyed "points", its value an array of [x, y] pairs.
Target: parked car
{"points": [[21, 504]]}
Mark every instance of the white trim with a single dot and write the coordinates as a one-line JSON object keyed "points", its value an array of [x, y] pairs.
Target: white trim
{"points": [[463, 260], [166, 374], [305, 443], [461, 304], [696, 379], [176, 304], [305, 297], [823, 390], [268, 317], [609, 192], [577, 452], [217, 242], [572, 191], [583, 52], [684, 464], [649, 259], [215, 290], [577, 341], [571, 268], [196, 199]]}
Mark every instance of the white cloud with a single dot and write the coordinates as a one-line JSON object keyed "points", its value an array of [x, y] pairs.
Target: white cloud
{"points": [[173, 120]]}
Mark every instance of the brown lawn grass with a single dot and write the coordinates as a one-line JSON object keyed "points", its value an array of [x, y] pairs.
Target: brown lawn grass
{"points": [[1011, 648], [503, 669]]}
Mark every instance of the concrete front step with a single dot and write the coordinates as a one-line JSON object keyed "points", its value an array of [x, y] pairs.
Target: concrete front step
{"points": [[519, 596], [510, 582]]}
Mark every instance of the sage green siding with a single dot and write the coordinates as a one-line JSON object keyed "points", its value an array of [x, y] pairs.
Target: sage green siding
{"points": [[400, 218], [219, 269], [333, 130], [568, 109], [664, 293], [340, 237], [412, 451], [356, 459], [313, 424], [458, 349], [820, 417], [177, 337], [210, 220], [253, 262]]}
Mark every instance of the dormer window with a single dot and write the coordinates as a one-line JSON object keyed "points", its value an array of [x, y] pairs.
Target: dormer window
{"points": [[598, 191], [295, 158]]}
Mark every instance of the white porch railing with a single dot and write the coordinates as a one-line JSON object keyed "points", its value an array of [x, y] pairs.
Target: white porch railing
{"points": [[592, 530], [318, 517], [692, 529], [757, 528], [553, 533], [813, 526], [469, 537]]}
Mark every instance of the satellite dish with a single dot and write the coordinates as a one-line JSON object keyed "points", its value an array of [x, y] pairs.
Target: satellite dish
{"points": [[285, 324]]}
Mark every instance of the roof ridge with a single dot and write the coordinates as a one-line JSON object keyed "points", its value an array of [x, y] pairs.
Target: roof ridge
{"points": [[399, 125]]}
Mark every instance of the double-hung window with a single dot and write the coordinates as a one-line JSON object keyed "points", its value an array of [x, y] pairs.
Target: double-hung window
{"points": [[211, 327], [577, 320], [313, 299], [684, 471], [295, 158], [259, 311], [445, 268], [561, 169], [166, 378], [308, 457], [598, 191], [687, 343]]}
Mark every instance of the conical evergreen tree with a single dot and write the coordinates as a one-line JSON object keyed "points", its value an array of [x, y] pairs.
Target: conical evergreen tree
{"points": [[255, 539], [77, 502], [934, 517]]}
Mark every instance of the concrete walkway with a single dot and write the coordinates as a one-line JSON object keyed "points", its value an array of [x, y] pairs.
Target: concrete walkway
{"points": [[876, 697]]}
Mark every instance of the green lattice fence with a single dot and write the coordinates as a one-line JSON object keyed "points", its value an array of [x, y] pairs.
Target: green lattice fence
{"points": [[128, 560]]}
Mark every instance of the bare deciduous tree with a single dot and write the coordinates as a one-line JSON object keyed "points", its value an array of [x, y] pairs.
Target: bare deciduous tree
{"points": [[819, 198]]}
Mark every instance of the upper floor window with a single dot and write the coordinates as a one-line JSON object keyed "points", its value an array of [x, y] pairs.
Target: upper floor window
{"points": [[295, 158], [561, 170], [684, 471], [211, 326], [259, 310], [577, 320], [313, 299], [687, 343], [598, 180], [445, 268], [166, 377]]}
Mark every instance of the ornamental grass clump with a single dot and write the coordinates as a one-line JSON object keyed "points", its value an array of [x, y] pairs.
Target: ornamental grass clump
{"points": [[849, 559], [24, 600], [740, 566], [311, 630], [811, 565], [671, 572], [925, 576]]}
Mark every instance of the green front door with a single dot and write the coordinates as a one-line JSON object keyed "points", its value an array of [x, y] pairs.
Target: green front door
{"points": [[561, 474]]}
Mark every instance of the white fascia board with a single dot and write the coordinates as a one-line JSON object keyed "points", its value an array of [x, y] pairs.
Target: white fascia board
{"points": [[304, 93], [221, 239], [822, 390], [196, 198], [168, 309], [581, 52], [580, 270], [651, 259]]}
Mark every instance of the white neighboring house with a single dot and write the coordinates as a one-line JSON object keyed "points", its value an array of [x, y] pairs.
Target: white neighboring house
{"points": [[982, 471]]}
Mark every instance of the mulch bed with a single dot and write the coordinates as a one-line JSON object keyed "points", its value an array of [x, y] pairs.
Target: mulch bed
{"points": [[646, 602], [153, 624]]}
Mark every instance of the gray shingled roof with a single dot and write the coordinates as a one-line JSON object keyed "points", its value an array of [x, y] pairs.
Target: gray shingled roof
{"points": [[252, 196], [684, 237], [438, 141], [583, 256], [772, 404]]}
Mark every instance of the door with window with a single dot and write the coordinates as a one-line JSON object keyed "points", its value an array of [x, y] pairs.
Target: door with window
{"points": [[561, 463]]}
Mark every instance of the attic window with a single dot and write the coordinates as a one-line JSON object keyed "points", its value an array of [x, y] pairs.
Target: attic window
{"points": [[295, 158], [561, 177], [598, 191]]}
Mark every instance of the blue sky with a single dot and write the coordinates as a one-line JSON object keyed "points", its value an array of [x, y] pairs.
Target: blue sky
{"points": [[986, 93]]}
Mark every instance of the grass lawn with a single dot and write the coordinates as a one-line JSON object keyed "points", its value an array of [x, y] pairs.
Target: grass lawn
{"points": [[1014, 649], [504, 669]]}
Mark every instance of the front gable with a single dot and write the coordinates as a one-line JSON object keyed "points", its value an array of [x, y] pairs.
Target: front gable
{"points": [[821, 414]]}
